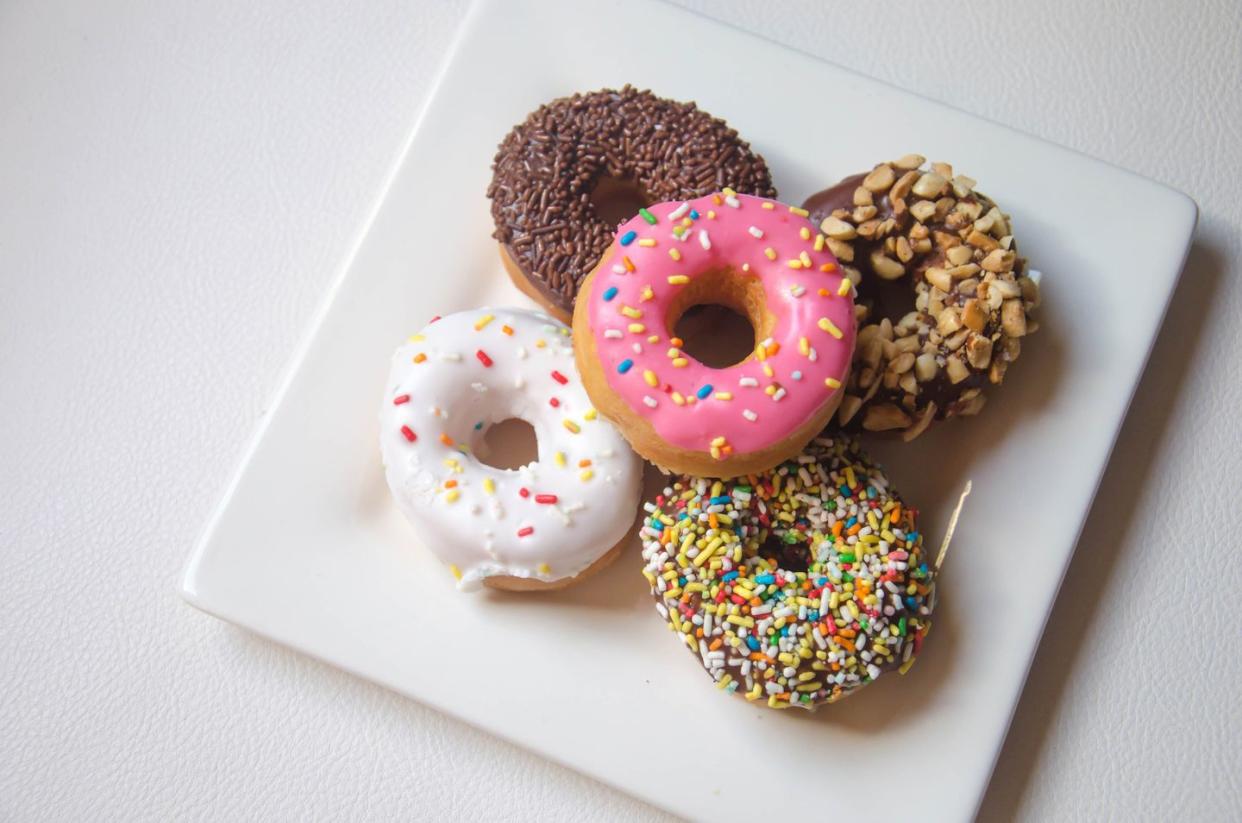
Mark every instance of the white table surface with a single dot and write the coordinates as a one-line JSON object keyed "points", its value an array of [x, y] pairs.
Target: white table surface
{"points": [[179, 183]]}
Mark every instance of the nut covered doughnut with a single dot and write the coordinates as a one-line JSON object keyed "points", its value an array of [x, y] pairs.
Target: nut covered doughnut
{"points": [[549, 168], [759, 257], [796, 586], [542, 525], [946, 296]]}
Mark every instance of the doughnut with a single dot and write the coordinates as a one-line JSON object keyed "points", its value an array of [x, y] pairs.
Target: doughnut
{"points": [[543, 525], [944, 297], [755, 256], [555, 172], [798, 585]]}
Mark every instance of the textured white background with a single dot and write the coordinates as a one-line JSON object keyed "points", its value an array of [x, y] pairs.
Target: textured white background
{"points": [[179, 183]]}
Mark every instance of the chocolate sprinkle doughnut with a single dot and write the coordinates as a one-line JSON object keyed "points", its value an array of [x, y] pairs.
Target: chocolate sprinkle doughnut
{"points": [[943, 297], [547, 169]]}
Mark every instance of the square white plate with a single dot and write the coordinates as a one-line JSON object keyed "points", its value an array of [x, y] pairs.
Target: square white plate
{"points": [[307, 549]]}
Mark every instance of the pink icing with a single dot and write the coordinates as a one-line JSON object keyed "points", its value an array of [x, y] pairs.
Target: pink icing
{"points": [[733, 231]]}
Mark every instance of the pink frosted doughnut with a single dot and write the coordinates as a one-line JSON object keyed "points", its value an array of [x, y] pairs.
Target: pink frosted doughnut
{"points": [[760, 258]]}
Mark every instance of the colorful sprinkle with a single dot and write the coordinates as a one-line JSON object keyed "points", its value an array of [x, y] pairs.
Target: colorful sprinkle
{"points": [[408, 434], [628, 238], [610, 293], [648, 216], [830, 327], [483, 358], [401, 400]]}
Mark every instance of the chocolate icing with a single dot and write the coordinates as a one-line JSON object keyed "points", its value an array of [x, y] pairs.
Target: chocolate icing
{"points": [[548, 167]]}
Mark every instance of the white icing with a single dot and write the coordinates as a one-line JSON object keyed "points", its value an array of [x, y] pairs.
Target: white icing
{"points": [[451, 392]]}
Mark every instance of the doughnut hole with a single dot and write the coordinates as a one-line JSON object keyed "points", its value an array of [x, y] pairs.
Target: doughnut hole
{"points": [[509, 445], [720, 316], [617, 199], [792, 557]]}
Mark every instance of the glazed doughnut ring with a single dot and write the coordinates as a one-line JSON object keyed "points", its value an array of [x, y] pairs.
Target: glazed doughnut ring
{"points": [[947, 298], [799, 585], [763, 260], [554, 174], [543, 525]]}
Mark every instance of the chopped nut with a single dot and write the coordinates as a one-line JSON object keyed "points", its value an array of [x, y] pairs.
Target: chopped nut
{"points": [[890, 380], [979, 351], [1006, 288], [867, 230], [902, 187], [973, 316], [956, 220], [922, 246], [984, 224], [945, 240], [885, 417], [929, 185], [841, 250], [963, 185], [886, 329], [939, 278], [903, 363], [943, 206], [949, 321], [972, 209], [998, 260], [968, 287], [902, 249], [999, 228], [923, 210], [837, 229], [942, 169], [926, 367], [908, 384], [862, 197], [1013, 318], [910, 161], [848, 408], [962, 272], [880, 179], [1030, 291], [991, 298], [997, 372], [955, 342], [909, 343], [862, 213], [1013, 345], [920, 425], [886, 267], [980, 240], [956, 369], [959, 255]]}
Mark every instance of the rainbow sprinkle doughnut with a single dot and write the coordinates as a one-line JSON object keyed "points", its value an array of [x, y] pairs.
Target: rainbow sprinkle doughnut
{"points": [[797, 585], [758, 257], [538, 526]]}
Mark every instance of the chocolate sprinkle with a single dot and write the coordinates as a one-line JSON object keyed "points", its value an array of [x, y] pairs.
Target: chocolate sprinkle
{"points": [[546, 169]]}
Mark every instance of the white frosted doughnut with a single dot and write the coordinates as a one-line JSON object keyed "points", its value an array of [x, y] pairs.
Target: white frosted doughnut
{"points": [[549, 520]]}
